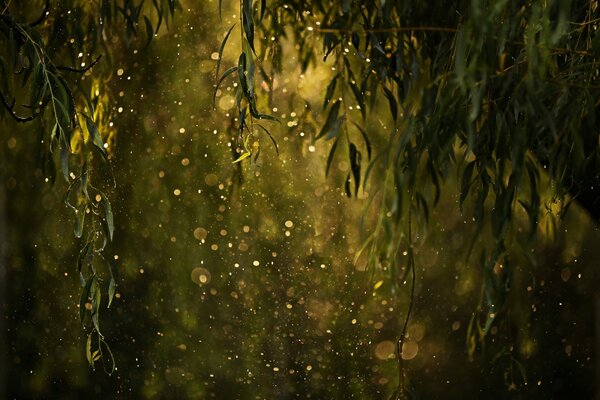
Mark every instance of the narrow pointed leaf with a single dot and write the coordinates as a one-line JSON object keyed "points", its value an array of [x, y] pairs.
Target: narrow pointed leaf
{"points": [[95, 136], [263, 8], [331, 118], [270, 137], [248, 20], [222, 48], [365, 138], [330, 157], [85, 294], [88, 350], [225, 75], [243, 156], [149, 31]]}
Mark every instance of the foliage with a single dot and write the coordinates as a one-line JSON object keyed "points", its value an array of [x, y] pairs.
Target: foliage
{"points": [[504, 91], [70, 105]]}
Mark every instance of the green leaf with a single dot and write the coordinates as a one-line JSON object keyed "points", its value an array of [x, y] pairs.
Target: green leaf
{"points": [[359, 98], [355, 161], [88, 350], [243, 156], [263, 8], [365, 138], [95, 136], [96, 302], [466, 182], [249, 71], [347, 186], [85, 294], [248, 20], [64, 162], [330, 90], [392, 102], [79, 221], [225, 75], [332, 117], [242, 77], [108, 356], [221, 48], [112, 288], [108, 215], [85, 258], [330, 156], [270, 137], [149, 31], [84, 180]]}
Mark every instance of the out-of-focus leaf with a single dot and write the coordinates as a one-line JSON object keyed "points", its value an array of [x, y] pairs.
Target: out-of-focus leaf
{"points": [[270, 137], [64, 162], [347, 186], [466, 182], [149, 31], [242, 157], [392, 102], [263, 8], [365, 138], [331, 119]]}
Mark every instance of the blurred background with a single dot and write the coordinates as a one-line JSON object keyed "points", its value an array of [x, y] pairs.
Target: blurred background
{"points": [[238, 281]]}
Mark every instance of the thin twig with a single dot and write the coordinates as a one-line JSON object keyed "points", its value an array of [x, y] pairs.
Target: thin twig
{"points": [[80, 70], [410, 307], [391, 30], [10, 109]]}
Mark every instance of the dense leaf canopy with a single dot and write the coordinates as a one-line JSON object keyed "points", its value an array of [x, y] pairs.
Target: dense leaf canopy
{"points": [[498, 98]]}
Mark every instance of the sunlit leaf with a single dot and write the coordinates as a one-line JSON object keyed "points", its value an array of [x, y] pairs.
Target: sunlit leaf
{"points": [[242, 157]]}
